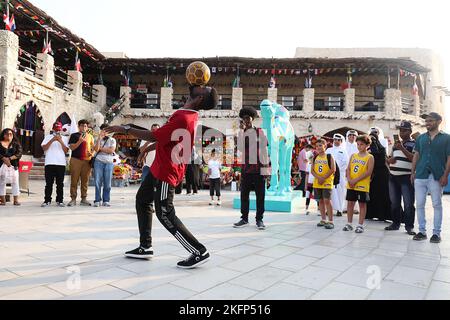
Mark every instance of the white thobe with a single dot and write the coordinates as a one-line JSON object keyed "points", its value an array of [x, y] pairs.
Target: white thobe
{"points": [[339, 193]]}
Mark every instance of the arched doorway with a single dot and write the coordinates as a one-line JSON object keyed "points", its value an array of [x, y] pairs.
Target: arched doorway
{"points": [[29, 128], [64, 119], [342, 131]]}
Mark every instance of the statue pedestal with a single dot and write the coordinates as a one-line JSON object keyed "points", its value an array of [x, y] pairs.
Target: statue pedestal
{"points": [[290, 203]]}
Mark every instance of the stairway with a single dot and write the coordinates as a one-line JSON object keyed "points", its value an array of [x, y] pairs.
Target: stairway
{"points": [[38, 170]]}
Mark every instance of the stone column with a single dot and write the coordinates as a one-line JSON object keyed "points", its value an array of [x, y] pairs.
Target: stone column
{"points": [[393, 103], [9, 58], [308, 100], [272, 94], [417, 112], [75, 83], [166, 99], [45, 69], [100, 99], [237, 99], [9, 52], [349, 100], [127, 92]]}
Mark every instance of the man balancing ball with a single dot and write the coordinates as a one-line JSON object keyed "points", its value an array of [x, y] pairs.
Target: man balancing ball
{"points": [[173, 144]]}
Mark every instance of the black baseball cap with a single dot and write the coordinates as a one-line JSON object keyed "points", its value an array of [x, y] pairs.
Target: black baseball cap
{"points": [[432, 115], [405, 125]]}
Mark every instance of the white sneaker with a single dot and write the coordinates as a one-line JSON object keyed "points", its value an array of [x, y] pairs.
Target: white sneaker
{"points": [[96, 204], [211, 203], [45, 205], [106, 204], [219, 203]]}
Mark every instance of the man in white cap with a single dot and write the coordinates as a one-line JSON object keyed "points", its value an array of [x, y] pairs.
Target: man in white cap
{"points": [[350, 144], [340, 155]]}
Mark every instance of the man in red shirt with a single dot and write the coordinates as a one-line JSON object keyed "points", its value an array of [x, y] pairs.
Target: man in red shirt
{"points": [[173, 143]]}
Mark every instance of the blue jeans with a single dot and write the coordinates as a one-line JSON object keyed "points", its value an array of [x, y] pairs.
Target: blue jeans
{"points": [[423, 187], [103, 176], [401, 187], [145, 172]]}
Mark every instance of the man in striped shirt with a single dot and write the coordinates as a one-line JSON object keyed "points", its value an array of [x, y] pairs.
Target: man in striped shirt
{"points": [[400, 185]]}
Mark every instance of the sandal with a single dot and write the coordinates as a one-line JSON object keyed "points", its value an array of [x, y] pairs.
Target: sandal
{"points": [[329, 226], [359, 229], [322, 224]]}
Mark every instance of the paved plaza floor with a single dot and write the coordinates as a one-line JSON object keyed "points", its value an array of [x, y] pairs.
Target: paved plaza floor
{"points": [[77, 253]]}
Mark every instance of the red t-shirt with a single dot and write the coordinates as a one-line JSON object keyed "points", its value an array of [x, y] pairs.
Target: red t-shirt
{"points": [[172, 156]]}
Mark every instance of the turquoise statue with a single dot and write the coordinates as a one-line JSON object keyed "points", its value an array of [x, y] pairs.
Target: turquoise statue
{"points": [[281, 137]]}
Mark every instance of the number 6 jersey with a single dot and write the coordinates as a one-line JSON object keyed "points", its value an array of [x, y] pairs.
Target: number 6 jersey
{"points": [[358, 167]]}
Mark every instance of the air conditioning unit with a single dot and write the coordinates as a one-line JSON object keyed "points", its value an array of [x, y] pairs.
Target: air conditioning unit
{"points": [[288, 102], [152, 98], [334, 103]]}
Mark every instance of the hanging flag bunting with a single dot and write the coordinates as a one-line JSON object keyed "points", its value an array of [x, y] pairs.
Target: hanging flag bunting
{"points": [[213, 69]]}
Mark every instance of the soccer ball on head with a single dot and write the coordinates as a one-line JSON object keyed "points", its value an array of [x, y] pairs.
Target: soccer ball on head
{"points": [[198, 74]]}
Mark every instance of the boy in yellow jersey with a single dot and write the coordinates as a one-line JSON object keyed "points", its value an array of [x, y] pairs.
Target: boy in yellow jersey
{"points": [[359, 174], [323, 169]]}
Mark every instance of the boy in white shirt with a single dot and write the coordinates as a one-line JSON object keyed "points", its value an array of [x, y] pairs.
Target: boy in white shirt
{"points": [[55, 147], [214, 167]]}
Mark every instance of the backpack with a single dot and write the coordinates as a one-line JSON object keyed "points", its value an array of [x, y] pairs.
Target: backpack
{"points": [[337, 174]]}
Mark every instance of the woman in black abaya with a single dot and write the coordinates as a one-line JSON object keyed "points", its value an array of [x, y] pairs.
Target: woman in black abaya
{"points": [[379, 206]]}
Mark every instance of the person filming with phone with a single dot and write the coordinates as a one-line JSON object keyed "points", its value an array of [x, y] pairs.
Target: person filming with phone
{"points": [[55, 147], [400, 186]]}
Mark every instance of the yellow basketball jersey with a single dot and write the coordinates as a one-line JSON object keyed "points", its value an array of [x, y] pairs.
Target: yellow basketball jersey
{"points": [[358, 167], [322, 168]]}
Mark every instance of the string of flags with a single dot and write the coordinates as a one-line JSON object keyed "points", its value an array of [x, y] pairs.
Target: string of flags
{"points": [[405, 73], [25, 133], [11, 26]]}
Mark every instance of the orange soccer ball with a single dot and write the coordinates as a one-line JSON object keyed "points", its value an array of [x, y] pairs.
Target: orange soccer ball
{"points": [[198, 74]]}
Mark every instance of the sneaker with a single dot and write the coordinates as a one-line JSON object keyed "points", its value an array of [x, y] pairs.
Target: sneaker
{"points": [[348, 227], [219, 203], [60, 205], [241, 224], [339, 214], [322, 224], [329, 226], [260, 225], [359, 229], [392, 227], [435, 239], [96, 204], [106, 204], [356, 213], [194, 261], [410, 232], [85, 203], [211, 203], [307, 213], [45, 205], [420, 237], [72, 203], [140, 253]]}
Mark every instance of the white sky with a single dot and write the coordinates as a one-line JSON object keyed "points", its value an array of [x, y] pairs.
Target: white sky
{"points": [[202, 28]]}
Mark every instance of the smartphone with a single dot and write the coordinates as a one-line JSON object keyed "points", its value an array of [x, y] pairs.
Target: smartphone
{"points": [[396, 138], [83, 135]]}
